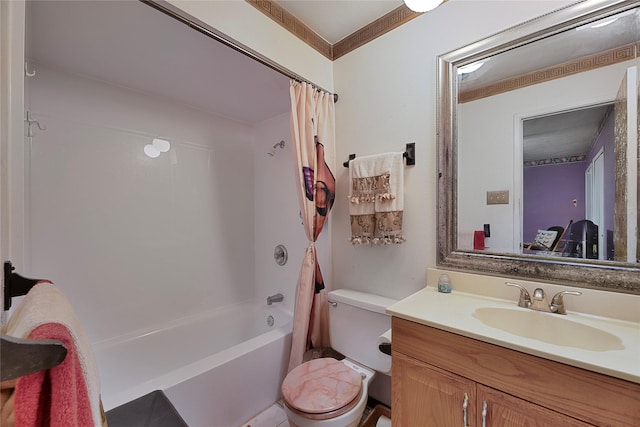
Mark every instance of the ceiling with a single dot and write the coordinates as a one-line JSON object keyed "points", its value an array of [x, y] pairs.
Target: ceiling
{"points": [[566, 134], [576, 129], [333, 20], [568, 45], [131, 44]]}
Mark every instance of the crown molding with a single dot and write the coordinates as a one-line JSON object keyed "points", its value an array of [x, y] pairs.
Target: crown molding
{"points": [[364, 35], [398, 16], [579, 65]]}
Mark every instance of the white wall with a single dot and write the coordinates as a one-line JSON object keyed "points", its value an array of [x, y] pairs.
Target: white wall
{"points": [[492, 149], [388, 98], [134, 241]]}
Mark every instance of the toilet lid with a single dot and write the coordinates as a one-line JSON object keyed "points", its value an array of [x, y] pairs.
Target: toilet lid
{"points": [[321, 385]]}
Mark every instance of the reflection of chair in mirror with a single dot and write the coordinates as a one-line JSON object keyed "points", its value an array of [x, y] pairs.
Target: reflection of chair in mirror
{"points": [[582, 240], [560, 231], [540, 242]]}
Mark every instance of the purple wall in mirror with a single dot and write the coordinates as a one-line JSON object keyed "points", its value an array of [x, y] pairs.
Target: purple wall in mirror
{"points": [[549, 190]]}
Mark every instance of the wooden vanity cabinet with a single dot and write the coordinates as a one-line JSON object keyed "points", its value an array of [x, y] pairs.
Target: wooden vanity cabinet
{"points": [[427, 396], [433, 371]]}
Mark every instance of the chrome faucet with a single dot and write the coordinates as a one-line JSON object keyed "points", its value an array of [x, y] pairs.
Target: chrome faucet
{"points": [[274, 298], [539, 300]]}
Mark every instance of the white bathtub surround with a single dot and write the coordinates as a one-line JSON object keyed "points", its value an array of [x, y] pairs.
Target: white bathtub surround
{"points": [[132, 240], [217, 368]]}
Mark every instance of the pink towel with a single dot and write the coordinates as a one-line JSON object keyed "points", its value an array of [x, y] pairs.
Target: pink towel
{"points": [[56, 397], [67, 394]]}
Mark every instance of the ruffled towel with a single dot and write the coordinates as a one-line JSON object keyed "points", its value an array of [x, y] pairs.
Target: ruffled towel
{"points": [[376, 199], [67, 394]]}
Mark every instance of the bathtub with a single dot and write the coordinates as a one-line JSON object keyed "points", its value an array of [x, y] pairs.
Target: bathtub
{"points": [[219, 368]]}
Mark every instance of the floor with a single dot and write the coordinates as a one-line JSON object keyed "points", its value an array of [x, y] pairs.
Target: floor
{"points": [[274, 416]]}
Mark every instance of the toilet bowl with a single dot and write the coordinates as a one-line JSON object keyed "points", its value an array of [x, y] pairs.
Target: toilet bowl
{"points": [[326, 392]]}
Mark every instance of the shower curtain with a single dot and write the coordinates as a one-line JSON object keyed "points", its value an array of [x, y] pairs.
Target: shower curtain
{"points": [[312, 130]]}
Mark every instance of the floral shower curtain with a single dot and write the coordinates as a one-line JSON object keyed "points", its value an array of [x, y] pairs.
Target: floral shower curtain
{"points": [[312, 129]]}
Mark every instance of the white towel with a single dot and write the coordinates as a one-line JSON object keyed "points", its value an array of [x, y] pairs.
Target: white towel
{"points": [[376, 199], [45, 304]]}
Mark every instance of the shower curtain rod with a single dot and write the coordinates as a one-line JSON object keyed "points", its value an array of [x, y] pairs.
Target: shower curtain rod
{"points": [[172, 11]]}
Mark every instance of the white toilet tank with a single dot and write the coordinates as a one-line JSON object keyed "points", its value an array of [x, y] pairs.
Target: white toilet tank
{"points": [[356, 321]]}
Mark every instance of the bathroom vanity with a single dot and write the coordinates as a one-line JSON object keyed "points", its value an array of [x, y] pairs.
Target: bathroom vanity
{"points": [[450, 369]]}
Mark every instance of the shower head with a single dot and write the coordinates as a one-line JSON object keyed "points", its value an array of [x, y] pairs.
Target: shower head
{"points": [[272, 152]]}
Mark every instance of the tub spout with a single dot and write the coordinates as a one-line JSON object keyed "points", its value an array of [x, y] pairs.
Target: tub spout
{"points": [[274, 298]]}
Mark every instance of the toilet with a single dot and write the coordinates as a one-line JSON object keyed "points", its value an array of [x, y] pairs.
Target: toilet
{"points": [[326, 392]]}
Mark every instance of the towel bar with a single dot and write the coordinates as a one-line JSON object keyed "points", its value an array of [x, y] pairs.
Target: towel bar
{"points": [[21, 357], [409, 154]]}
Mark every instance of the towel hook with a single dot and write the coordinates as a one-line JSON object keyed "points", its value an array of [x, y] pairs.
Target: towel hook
{"points": [[26, 71], [30, 121]]}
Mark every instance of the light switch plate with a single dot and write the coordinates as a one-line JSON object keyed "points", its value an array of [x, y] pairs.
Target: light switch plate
{"points": [[498, 197]]}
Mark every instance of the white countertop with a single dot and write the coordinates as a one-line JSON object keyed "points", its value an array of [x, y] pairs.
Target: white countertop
{"points": [[454, 313]]}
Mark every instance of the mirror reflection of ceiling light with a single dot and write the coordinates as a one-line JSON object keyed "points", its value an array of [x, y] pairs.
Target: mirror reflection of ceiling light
{"points": [[157, 147], [162, 145], [422, 5], [470, 68], [604, 23], [151, 151]]}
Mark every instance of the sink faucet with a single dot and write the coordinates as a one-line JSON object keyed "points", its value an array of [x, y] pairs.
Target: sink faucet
{"points": [[557, 302], [274, 298], [525, 298], [539, 300]]}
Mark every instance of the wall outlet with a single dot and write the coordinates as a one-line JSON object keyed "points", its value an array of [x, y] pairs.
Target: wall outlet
{"points": [[498, 197]]}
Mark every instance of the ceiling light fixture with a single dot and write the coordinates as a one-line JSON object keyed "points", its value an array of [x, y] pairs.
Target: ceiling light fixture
{"points": [[422, 5]]}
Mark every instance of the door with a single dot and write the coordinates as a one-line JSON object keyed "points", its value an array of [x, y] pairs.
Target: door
{"points": [[594, 198], [500, 409], [426, 396]]}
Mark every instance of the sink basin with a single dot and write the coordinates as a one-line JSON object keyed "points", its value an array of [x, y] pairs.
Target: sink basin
{"points": [[548, 327]]}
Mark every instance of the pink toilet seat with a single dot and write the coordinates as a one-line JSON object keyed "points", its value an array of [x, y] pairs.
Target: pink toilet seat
{"points": [[322, 389]]}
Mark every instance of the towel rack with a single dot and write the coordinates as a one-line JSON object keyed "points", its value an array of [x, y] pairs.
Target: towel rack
{"points": [[14, 284], [409, 154], [20, 356]]}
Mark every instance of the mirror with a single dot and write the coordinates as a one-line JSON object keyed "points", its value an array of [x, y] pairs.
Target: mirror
{"points": [[538, 149]]}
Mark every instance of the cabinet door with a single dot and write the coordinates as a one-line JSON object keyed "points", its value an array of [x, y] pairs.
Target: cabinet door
{"points": [[426, 396], [496, 409]]}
